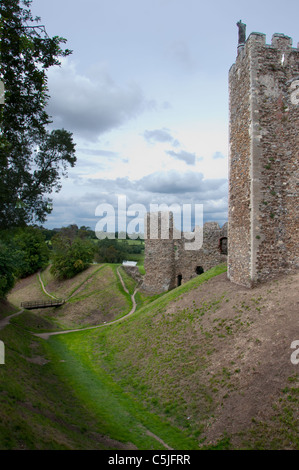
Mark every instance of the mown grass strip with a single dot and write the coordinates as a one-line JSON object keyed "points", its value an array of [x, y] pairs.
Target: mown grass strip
{"points": [[37, 410], [120, 415], [86, 279], [120, 287], [129, 282]]}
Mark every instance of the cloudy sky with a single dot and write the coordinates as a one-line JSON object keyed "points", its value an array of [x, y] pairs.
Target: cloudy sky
{"points": [[145, 94]]}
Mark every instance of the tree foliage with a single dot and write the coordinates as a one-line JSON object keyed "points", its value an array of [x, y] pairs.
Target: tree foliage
{"points": [[7, 269], [71, 254], [31, 249], [32, 159], [22, 252], [113, 251], [110, 251]]}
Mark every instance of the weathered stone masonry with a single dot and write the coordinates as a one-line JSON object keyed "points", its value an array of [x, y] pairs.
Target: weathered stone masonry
{"points": [[167, 261], [263, 216], [263, 230]]}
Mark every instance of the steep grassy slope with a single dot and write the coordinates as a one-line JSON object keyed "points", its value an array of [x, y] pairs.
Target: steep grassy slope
{"points": [[37, 409], [210, 358], [94, 296], [206, 365], [7, 309], [27, 289], [121, 416]]}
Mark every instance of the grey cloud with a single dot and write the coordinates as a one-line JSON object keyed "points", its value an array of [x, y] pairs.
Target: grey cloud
{"points": [[71, 210], [171, 182], [176, 143], [88, 165], [170, 187], [91, 106], [98, 152], [180, 53], [187, 157], [218, 155], [91, 160], [166, 183], [158, 135], [216, 210], [166, 105]]}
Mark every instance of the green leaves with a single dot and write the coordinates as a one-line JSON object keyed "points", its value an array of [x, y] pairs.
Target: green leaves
{"points": [[22, 252], [31, 242], [7, 278], [71, 254], [26, 52]]}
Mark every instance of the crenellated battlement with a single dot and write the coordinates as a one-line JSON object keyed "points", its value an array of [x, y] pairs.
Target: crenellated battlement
{"points": [[279, 42]]}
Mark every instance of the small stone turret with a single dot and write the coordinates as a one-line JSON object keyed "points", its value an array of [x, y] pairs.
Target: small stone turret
{"points": [[159, 252], [168, 263]]}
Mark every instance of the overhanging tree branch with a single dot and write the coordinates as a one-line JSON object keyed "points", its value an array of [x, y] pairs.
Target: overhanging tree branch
{"points": [[26, 52]]}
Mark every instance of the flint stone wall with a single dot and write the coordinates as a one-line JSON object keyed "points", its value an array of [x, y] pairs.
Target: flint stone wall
{"points": [[168, 263], [133, 271], [264, 161]]}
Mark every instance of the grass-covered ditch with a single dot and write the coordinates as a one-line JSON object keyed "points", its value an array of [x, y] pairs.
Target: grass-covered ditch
{"points": [[121, 393], [155, 380]]}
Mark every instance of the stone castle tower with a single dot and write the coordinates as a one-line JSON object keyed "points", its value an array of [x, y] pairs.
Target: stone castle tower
{"points": [[168, 263], [159, 260], [263, 227]]}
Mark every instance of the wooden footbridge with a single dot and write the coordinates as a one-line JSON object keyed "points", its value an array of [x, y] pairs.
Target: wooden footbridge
{"points": [[42, 304]]}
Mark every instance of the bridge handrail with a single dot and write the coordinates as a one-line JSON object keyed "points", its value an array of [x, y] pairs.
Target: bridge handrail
{"points": [[35, 303]]}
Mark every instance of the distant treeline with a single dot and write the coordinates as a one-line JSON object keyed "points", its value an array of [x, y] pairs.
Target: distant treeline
{"points": [[105, 250], [114, 251], [70, 250], [83, 231]]}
